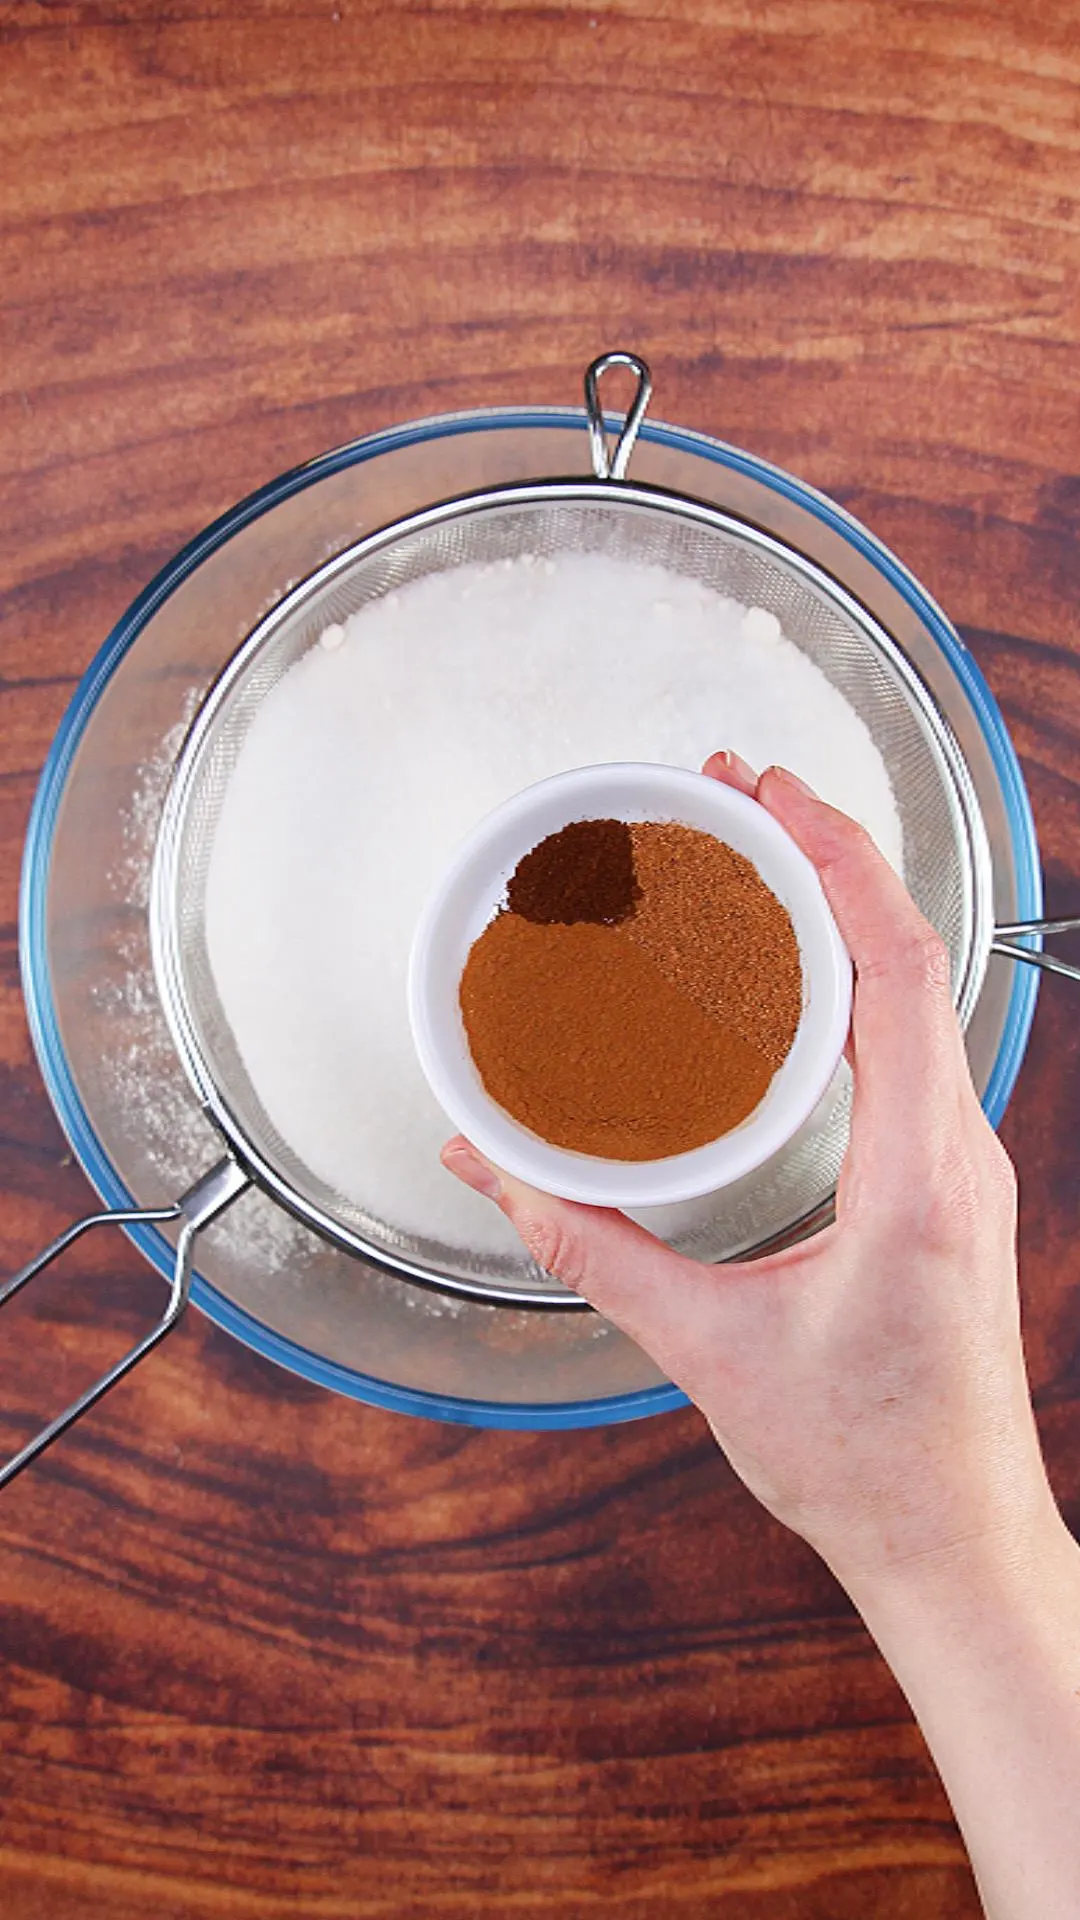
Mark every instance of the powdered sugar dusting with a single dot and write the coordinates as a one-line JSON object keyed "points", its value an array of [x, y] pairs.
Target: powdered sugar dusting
{"points": [[143, 1075]]}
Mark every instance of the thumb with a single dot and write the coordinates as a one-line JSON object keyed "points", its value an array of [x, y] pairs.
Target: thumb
{"points": [[670, 1305]]}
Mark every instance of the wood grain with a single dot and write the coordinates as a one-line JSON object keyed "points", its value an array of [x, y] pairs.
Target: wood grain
{"points": [[267, 1653]]}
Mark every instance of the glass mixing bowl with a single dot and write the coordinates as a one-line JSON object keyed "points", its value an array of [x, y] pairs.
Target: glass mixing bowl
{"points": [[98, 1028]]}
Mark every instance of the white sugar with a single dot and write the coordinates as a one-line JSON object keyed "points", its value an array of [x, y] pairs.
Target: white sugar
{"points": [[373, 756]]}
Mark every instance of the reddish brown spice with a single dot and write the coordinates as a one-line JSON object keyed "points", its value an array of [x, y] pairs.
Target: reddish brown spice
{"points": [[713, 927]]}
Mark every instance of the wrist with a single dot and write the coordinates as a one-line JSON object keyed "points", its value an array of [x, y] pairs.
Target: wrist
{"points": [[968, 1509], [970, 1581]]}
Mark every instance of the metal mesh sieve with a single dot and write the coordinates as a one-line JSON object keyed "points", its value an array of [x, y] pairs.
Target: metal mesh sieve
{"points": [[946, 861]]}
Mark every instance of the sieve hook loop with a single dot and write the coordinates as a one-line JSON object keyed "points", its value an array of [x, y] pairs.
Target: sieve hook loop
{"points": [[202, 1203], [1006, 938], [612, 466]]}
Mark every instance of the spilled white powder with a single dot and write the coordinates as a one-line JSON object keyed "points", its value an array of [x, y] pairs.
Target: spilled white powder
{"points": [[387, 742]]}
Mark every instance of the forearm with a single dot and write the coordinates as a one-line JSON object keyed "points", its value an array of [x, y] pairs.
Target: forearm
{"points": [[987, 1650]]}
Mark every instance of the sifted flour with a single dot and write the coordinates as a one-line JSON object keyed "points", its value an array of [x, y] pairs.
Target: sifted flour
{"points": [[373, 756]]}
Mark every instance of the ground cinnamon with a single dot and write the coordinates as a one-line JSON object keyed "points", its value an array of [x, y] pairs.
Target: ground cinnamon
{"points": [[638, 992], [578, 1034]]}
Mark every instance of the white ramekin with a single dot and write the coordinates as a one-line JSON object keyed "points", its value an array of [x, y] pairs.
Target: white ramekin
{"points": [[473, 889]]}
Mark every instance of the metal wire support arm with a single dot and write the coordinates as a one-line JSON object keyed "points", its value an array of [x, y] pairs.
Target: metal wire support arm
{"points": [[1006, 938], [196, 1208]]}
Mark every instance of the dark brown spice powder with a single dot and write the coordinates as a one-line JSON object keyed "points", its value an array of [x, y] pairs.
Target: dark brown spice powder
{"points": [[583, 872]]}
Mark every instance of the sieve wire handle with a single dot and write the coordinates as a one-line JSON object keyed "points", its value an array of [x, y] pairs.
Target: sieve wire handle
{"points": [[202, 1203], [612, 466], [1005, 942]]}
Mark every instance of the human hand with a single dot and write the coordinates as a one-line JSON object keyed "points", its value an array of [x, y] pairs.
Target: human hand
{"points": [[868, 1385]]}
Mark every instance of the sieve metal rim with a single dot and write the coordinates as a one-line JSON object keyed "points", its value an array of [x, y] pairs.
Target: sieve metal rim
{"points": [[166, 874]]}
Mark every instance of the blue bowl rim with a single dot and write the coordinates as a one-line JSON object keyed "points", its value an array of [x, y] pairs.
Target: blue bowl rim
{"points": [[35, 872]]}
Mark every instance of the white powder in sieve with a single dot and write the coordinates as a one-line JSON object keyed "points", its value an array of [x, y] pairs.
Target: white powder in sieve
{"points": [[370, 759]]}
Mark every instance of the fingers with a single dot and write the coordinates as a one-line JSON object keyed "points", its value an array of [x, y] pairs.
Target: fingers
{"points": [[903, 1001], [663, 1301], [907, 1039]]}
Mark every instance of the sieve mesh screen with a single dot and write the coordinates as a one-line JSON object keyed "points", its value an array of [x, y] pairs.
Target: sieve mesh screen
{"points": [[938, 815]]}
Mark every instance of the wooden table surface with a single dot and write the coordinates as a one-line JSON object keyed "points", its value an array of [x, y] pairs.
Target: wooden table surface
{"points": [[266, 1652]]}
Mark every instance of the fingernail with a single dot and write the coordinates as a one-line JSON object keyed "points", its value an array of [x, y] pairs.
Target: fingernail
{"points": [[792, 780], [736, 763], [466, 1165]]}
